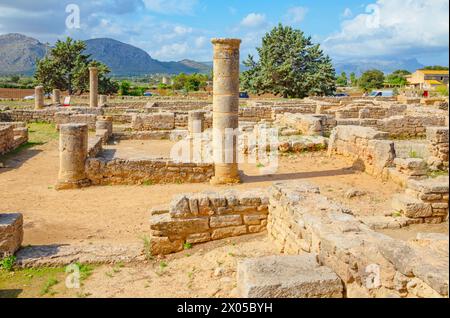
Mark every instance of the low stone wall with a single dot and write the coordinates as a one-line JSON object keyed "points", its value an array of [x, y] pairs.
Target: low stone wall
{"points": [[438, 139], [154, 121], [370, 264], [309, 125], [409, 126], [424, 200], [29, 116], [11, 233], [12, 135], [203, 217], [62, 118], [366, 147], [152, 171]]}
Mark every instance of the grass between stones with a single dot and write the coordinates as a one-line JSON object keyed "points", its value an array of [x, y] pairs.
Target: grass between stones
{"points": [[41, 282]]}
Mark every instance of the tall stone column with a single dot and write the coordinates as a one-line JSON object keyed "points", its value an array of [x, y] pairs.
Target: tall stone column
{"points": [[56, 97], [38, 97], [93, 87], [73, 152], [226, 110]]}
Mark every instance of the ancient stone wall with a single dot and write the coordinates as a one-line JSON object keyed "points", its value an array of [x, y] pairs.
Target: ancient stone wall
{"points": [[370, 264], [203, 217], [438, 139], [156, 121], [11, 233], [152, 171], [409, 126], [424, 200], [366, 147], [12, 135]]}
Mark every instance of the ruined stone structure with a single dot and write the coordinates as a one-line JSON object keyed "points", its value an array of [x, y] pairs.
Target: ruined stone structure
{"points": [[367, 148], [202, 217], [226, 110], [438, 138], [11, 233], [103, 100], [39, 97], [56, 97], [12, 135], [369, 264], [93, 87], [73, 150], [196, 122]]}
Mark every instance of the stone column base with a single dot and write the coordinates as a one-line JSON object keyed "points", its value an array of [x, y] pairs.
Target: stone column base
{"points": [[68, 185], [224, 180]]}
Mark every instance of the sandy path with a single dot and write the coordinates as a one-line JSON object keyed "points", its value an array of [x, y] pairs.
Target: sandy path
{"points": [[120, 213]]}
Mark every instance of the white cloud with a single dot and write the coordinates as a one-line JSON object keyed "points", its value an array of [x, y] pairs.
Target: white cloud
{"points": [[254, 20], [296, 15], [393, 28], [172, 51], [201, 41], [183, 7]]}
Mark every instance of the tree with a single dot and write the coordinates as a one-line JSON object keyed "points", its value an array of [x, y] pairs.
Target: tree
{"points": [[436, 68], [342, 80], [289, 65], [189, 83], [398, 78], [66, 68], [372, 79], [353, 79], [124, 88]]}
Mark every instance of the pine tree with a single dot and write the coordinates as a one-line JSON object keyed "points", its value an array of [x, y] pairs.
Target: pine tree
{"points": [[289, 65]]}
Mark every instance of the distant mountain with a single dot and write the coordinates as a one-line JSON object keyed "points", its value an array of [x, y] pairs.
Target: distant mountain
{"points": [[387, 66], [18, 54]]}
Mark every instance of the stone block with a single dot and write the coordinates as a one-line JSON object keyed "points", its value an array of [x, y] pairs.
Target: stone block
{"points": [[411, 207], [287, 277], [11, 233], [225, 221], [222, 233]]}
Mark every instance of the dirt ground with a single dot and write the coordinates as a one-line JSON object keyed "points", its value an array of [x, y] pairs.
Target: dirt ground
{"points": [[120, 213]]}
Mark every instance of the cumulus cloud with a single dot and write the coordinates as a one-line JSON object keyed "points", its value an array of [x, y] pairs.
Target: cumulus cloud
{"points": [[394, 28], [296, 15], [254, 20]]}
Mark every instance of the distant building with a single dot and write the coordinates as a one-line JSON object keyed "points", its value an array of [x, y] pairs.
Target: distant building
{"points": [[428, 79], [166, 80]]}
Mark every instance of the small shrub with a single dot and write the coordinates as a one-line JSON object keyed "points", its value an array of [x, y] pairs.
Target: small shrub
{"points": [[48, 286], [187, 246], [7, 263]]}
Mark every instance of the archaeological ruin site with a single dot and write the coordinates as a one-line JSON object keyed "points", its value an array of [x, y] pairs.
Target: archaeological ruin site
{"points": [[219, 196]]}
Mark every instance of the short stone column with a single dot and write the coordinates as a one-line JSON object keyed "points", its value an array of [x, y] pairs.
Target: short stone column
{"points": [[196, 122], [73, 151], [226, 110], [38, 97], [104, 123], [103, 100], [56, 98], [93, 87]]}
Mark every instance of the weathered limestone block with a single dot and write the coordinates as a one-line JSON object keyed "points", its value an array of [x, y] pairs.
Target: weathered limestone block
{"points": [[411, 166], [225, 221], [11, 233], [287, 277], [438, 138], [411, 207], [168, 226], [226, 232]]}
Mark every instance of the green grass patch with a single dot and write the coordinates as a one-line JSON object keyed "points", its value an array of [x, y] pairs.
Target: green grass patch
{"points": [[7, 263], [42, 133], [436, 174]]}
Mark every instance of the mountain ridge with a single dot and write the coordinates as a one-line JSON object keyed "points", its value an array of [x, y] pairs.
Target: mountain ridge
{"points": [[18, 55]]}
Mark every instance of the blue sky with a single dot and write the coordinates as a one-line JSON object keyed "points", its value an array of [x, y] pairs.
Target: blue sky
{"points": [[178, 29]]}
